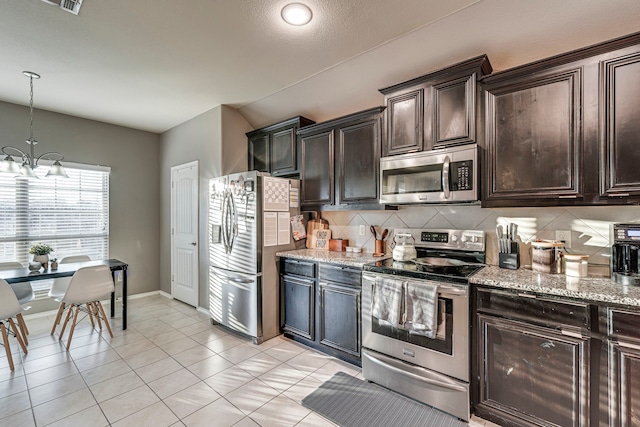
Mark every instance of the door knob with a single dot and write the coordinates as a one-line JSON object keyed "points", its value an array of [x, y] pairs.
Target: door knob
{"points": [[193, 243]]}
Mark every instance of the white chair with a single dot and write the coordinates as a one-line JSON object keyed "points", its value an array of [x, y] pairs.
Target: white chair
{"points": [[9, 307], [87, 287], [24, 293], [60, 285]]}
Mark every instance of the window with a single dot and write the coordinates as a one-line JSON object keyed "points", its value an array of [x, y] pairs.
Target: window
{"points": [[70, 214]]}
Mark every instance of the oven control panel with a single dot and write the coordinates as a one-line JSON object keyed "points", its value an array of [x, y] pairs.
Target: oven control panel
{"points": [[467, 240]]}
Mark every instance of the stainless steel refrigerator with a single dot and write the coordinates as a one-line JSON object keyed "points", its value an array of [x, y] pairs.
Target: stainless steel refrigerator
{"points": [[249, 221]]}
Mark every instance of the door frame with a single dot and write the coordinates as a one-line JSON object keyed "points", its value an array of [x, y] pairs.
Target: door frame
{"points": [[196, 274]]}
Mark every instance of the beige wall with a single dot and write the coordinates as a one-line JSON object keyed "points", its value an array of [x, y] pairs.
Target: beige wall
{"points": [[217, 140], [133, 156]]}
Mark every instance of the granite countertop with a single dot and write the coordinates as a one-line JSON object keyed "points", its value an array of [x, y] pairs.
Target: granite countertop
{"points": [[596, 289], [351, 259]]}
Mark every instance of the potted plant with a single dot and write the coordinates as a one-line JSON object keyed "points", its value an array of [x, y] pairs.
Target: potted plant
{"points": [[40, 252]]}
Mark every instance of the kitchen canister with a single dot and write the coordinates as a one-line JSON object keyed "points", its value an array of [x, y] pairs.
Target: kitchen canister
{"points": [[576, 265], [546, 256]]}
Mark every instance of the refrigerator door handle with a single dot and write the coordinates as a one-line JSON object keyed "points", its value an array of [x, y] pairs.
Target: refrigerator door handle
{"points": [[233, 231]]}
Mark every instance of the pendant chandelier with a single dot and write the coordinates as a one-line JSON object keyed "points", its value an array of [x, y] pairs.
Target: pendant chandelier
{"points": [[29, 160]]}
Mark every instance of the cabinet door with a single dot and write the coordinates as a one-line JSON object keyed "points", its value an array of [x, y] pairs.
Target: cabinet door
{"points": [[317, 169], [454, 111], [534, 137], [624, 388], [620, 79], [299, 305], [405, 122], [531, 374], [259, 153], [358, 162], [283, 152], [339, 317]]}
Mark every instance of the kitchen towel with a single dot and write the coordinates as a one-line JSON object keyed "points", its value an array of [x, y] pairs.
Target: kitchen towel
{"points": [[421, 316], [387, 300]]}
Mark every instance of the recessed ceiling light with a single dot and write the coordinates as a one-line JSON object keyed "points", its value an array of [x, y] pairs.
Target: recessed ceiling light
{"points": [[296, 14]]}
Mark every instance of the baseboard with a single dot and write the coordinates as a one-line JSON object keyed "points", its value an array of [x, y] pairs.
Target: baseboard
{"points": [[203, 310], [165, 294]]}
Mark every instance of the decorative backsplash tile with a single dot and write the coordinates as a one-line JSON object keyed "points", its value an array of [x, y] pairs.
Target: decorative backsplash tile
{"points": [[589, 225]]}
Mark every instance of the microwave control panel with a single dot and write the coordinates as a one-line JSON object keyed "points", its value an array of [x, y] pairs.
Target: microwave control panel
{"points": [[462, 175]]}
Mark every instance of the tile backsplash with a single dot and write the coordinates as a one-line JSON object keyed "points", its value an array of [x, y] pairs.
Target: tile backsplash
{"points": [[589, 226]]}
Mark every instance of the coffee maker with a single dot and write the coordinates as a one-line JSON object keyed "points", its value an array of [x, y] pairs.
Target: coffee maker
{"points": [[624, 254]]}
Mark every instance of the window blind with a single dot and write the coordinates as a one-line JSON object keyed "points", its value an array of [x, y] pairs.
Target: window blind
{"points": [[70, 214]]}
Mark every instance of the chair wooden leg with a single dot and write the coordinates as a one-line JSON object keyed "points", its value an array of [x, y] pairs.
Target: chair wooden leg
{"points": [[104, 317], [5, 338], [97, 314], [66, 320], [23, 327], [16, 331], [90, 312], [73, 325], [58, 316]]}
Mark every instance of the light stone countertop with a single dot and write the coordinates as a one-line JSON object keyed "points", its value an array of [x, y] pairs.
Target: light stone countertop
{"points": [[351, 259], [596, 289]]}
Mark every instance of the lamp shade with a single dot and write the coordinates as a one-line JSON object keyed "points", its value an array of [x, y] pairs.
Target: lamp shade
{"points": [[56, 169], [26, 171], [9, 166]]}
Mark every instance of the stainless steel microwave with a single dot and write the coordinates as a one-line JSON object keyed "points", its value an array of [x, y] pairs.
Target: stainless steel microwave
{"points": [[448, 175]]}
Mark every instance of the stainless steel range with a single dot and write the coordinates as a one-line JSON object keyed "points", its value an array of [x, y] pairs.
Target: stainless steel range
{"points": [[432, 367]]}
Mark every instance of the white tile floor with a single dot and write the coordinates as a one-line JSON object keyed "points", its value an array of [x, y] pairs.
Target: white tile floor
{"points": [[169, 368]]}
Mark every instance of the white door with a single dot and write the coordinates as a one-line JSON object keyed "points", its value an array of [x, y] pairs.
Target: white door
{"points": [[184, 233]]}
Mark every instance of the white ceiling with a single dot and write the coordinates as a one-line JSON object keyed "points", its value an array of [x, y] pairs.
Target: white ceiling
{"points": [[153, 64]]}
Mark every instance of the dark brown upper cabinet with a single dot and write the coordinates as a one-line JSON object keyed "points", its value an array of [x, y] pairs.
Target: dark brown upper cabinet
{"points": [[620, 83], [563, 130], [341, 162], [534, 136], [274, 148], [434, 110]]}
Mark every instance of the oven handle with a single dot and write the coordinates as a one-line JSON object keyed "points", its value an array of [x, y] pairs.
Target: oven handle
{"points": [[443, 289], [433, 378]]}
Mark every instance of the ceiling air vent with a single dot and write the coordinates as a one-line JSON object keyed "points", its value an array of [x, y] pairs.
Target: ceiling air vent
{"points": [[72, 6]]}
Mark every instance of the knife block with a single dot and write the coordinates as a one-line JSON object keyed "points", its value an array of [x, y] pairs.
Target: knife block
{"points": [[510, 260]]}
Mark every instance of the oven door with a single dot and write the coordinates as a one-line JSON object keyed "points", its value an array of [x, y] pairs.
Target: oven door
{"points": [[447, 353]]}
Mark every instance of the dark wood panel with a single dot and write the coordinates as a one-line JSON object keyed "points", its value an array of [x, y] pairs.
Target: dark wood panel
{"points": [[283, 152], [532, 375], [299, 268], [623, 324], [259, 153], [405, 122], [317, 175], [339, 320], [534, 137], [622, 125], [299, 306], [533, 309], [454, 109], [340, 274], [359, 162]]}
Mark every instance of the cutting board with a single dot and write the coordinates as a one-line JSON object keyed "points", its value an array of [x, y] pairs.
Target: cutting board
{"points": [[315, 224]]}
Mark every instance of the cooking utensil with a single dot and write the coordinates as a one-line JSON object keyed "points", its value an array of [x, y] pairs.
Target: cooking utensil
{"points": [[385, 232], [404, 249], [373, 231]]}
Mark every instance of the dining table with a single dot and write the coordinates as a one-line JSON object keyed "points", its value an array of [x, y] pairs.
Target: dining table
{"points": [[19, 275]]}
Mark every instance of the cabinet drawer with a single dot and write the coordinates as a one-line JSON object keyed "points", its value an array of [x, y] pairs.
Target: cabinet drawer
{"points": [[299, 268], [534, 309], [340, 274], [622, 323]]}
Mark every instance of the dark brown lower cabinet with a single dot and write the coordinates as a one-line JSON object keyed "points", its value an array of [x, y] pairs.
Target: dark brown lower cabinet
{"points": [[322, 310], [532, 375], [339, 310], [620, 369], [532, 360]]}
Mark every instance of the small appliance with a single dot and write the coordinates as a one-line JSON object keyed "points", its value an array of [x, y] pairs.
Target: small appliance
{"points": [[624, 254], [448, 175]]}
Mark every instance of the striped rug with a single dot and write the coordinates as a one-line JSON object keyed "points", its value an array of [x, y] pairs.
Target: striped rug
{"points": [[350, 402]]}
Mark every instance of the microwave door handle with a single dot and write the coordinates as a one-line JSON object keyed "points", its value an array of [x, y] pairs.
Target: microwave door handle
{"points": [[445, 177]]}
